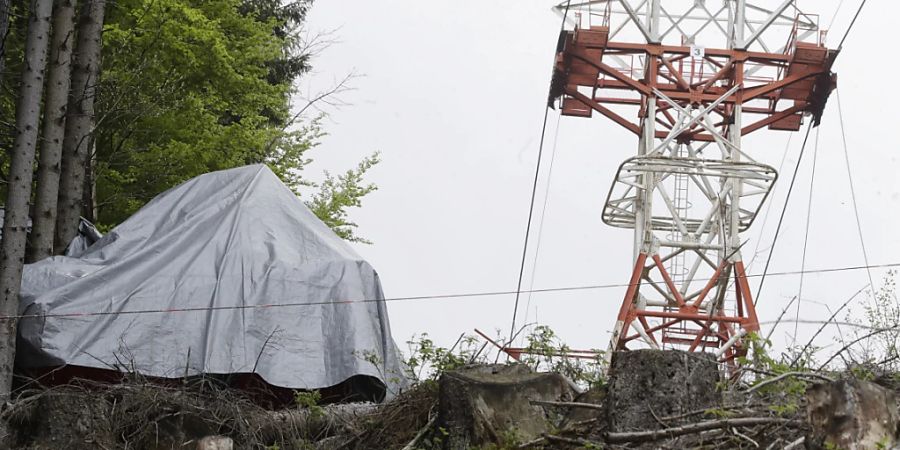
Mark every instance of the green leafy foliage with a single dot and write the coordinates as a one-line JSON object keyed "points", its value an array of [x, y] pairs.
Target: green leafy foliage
{"points": [[337, 194], [427, 361], [785, 396], [310, 400], [288, 155], [186, 90], [193, 86], [545, 352], [878, 333]]}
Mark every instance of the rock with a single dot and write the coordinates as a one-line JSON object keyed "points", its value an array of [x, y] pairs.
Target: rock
{"points": [[7, 439], [483, 405], [595, 396], [71, 419], [644, 383], [174, 429], [215, 443], [852, 415]]}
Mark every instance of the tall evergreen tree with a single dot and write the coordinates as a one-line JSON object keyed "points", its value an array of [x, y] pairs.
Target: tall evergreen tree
{"points": [[80, 120], [53, 130], [5, 5], [12, 245]]}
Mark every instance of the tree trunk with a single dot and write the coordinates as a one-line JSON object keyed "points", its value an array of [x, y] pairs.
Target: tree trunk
{"points": [[4, 30], [12, 246], [79, 122], [58, 82], [90, 184]]}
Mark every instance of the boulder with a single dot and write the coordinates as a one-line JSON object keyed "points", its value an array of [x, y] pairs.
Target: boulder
{"points": [[648, 385], [852, 415], [595, 396], [70, 419], [491, 404], [215, 443]]}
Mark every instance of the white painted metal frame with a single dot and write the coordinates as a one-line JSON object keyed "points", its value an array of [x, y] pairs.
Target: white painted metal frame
{"points": [[707, 176]]}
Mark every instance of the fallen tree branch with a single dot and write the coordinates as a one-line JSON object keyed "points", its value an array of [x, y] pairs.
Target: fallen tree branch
{"points": [[570, 428], [652, 435], [796, 443], [532, 442], [574, 441], [567, 404], [709, 410], [769, 381], [412, 444], [317, 421], [745, 437]]}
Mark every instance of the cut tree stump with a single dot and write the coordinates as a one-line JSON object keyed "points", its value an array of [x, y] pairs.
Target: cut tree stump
{"points": [[852, 415], [483, 405], [71, 420], [646, 385]]}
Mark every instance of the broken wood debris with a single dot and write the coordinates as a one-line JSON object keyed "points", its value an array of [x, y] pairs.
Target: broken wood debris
{"points": [[653, 435]]}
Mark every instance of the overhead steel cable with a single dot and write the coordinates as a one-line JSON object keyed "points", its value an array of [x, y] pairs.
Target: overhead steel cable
{"points": [[862, 242], [537, 173], [812, 182], [783, 211], [82, 314], [762, 226], [540, 233], [852, 22], [836, 11]]}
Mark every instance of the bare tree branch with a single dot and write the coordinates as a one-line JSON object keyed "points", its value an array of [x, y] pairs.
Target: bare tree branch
{"points": [[652, 435], [328, 96]]}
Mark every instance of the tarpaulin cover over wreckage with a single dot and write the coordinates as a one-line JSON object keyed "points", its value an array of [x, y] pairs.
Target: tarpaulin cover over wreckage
{"points": [[221, 246]]}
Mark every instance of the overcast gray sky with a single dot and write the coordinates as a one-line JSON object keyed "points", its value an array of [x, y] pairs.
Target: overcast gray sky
{"points": [[453, 95]]}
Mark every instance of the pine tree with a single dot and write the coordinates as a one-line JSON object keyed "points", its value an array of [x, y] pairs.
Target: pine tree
{"points": [[53, 130], [12, 245], [80, 121]]}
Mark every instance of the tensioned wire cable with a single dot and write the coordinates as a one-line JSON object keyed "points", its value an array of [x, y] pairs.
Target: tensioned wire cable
{"points": [[540, 233], [762, 226], [81, 314], [799, 159], [836, 11], [537, 173], [862, 242], [812, 183], [852, 22], [783, 211]]}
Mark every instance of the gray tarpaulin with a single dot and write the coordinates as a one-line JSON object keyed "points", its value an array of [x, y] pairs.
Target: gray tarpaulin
{"points": [[220, 245]]}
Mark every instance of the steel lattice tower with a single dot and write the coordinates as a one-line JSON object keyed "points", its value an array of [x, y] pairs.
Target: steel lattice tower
{"points": [[703, 74]]}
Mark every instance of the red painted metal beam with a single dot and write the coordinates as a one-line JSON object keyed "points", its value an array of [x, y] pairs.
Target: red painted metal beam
{"points": [[604, 110], [686, 316], [752, 93], [773, 118]]}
